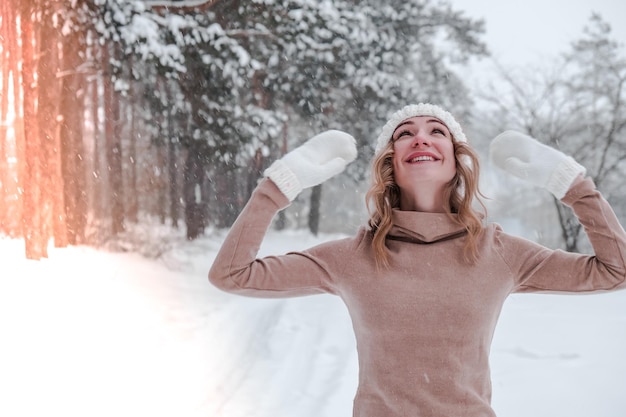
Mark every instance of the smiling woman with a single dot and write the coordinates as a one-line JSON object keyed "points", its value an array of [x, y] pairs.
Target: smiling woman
{"points": [[424, 284]]}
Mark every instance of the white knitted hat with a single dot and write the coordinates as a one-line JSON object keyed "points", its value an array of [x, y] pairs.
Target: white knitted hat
{"points": [[414, 110]]}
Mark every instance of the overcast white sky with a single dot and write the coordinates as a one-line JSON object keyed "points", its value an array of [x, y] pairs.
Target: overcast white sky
{"points": [[519, 32]]}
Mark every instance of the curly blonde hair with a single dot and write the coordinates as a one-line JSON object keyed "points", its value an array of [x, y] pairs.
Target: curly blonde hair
{"points": [[460, 192]]}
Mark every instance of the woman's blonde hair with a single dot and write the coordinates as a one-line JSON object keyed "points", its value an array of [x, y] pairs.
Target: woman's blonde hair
{"points": [[460, 192]]}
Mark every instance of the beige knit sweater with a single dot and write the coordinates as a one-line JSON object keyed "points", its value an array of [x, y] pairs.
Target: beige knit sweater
{"points": [[424, 326]]}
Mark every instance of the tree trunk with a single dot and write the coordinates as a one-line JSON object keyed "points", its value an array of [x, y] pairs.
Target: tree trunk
{"points": [[161, 185], [570, 226], [98, 186], [195, 209], [5, 33], [133, 201], [34, 239], [172, 170], [113, 144], [314, 211], [130, 110], [71, 137], [226, 195], [255, 171], [18, 123], [53, 205], [4, 157]]}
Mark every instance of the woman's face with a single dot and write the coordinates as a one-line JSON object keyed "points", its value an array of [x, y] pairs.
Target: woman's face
{"points": [[423, 153]]}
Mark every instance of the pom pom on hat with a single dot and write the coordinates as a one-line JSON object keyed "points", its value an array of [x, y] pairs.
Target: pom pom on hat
{"points": [[415, 110]]}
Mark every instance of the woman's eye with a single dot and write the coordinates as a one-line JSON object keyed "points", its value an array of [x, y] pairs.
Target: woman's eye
{"points": [[439, 132], [404, 133]]}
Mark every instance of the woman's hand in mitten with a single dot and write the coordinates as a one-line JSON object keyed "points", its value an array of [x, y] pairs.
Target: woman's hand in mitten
{"points": [[318, 159], [530, 160]]}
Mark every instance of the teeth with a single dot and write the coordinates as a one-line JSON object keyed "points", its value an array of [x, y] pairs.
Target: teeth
{"points": [[422, 158]]}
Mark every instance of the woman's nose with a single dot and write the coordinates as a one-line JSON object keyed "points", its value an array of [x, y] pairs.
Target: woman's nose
{"points": [[419, 140]]}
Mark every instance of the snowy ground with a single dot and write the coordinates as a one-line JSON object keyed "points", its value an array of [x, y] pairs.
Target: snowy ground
{"points": [[95, 333]]}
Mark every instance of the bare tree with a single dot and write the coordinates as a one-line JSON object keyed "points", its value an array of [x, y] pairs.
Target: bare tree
{"points": [[578, 106]]}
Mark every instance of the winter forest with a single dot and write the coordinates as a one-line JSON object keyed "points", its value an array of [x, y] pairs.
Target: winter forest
{"points": [[115, 112], [132, 133]]}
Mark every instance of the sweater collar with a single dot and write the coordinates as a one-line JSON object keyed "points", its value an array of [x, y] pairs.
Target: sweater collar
{"points": [[420, 227]]}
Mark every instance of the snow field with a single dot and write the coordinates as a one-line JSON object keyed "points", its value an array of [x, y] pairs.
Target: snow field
{"points": [[96, 333]]}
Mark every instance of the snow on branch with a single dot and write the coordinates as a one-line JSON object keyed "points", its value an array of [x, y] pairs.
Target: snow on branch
{"points": [[248, 33], [184, 5]]}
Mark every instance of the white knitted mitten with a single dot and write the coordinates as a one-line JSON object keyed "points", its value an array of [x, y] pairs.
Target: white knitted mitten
{"points": [[318, 159], [530, 160]]}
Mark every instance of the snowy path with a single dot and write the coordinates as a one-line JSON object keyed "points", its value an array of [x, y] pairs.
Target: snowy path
{"points": [[91, 333]]}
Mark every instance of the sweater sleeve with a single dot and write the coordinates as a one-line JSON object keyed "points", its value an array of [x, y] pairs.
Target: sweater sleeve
{"points": [[539, 269], [237, 269]]}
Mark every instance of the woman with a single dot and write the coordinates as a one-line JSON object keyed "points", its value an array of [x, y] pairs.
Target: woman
{"points": [[424, 283]]}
